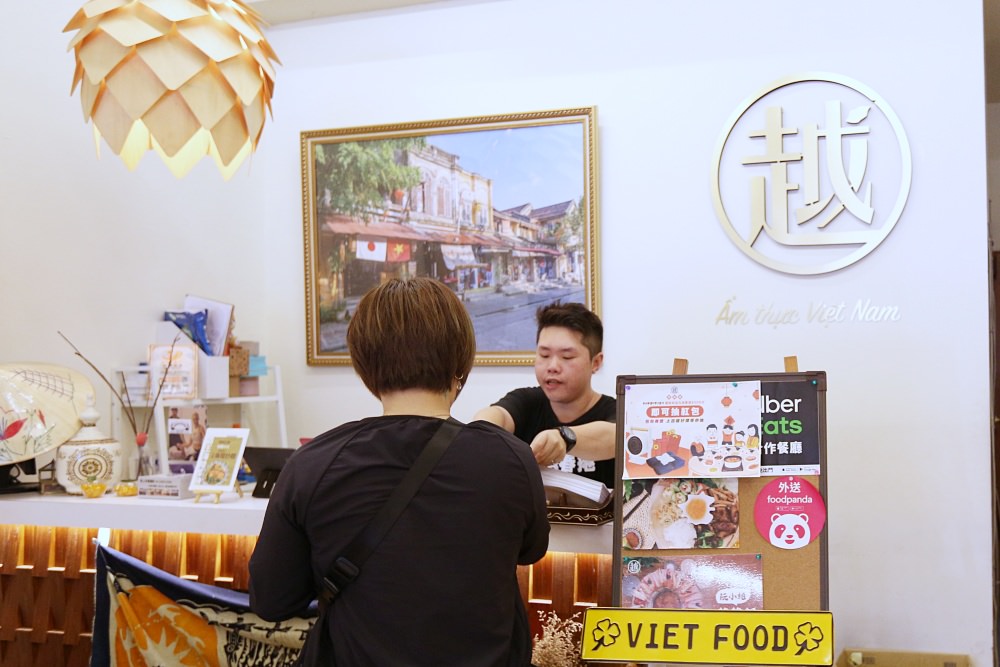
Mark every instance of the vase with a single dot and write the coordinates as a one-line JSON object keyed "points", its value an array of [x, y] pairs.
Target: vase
{"points": [[89, 457], [145, 464]]}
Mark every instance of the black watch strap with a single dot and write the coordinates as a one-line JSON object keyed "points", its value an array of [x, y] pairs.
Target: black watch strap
{"points": [[568, 436]]}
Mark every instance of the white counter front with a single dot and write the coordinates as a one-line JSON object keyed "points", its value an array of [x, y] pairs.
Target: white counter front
{"points": [[232, 516]]}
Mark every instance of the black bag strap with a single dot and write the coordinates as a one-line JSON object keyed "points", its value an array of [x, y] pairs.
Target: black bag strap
{"points": [[347, 566]]}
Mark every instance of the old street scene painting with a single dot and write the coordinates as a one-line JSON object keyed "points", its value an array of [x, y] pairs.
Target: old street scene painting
{"points": [[498, 215]]}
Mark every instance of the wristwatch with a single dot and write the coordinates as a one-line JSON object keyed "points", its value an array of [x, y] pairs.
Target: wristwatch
{"points": [[568, 436]]}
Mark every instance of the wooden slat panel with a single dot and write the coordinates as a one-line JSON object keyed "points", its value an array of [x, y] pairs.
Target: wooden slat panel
{"points": [[168, 552], [586, 581], [236, 552], [18, 604], [40, 619], [566, 584], [206, 562], [19, 651], [78, 655], [9, 548], [90, 552], [563, 583], [49, 649], [36, 551], [75, 545], [78, 617], [540, 581], [51, 652], [135, 543], [47, 605]]}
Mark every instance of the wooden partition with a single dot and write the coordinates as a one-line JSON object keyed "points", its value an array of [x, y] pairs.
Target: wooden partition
{"points": [[47, 583]]}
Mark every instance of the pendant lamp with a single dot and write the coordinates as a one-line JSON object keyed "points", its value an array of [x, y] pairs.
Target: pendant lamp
{"points": [[186, 78]]}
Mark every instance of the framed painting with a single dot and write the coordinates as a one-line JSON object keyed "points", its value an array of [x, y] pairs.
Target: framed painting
{"points": [[502, 209]]}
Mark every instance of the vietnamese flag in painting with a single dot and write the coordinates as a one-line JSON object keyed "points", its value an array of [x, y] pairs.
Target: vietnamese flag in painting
{"points": [[397, 251]]}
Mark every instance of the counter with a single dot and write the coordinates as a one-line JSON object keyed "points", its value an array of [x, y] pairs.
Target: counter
{"points": [[231, 516], [47, 562]]}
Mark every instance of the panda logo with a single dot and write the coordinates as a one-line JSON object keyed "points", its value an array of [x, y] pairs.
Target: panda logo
{"points": [[789, 531]]}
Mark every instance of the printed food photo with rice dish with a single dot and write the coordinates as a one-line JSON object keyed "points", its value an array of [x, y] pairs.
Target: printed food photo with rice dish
{"points": [[681, 514]]}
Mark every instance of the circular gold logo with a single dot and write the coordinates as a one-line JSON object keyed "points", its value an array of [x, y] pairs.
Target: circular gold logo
{"points": [[811, 174]]}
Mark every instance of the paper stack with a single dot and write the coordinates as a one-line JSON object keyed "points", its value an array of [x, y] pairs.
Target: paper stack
{"points": [[578, 489]]}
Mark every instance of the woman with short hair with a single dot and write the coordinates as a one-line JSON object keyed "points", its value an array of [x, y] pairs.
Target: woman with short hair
{"points": [[441, 587]]}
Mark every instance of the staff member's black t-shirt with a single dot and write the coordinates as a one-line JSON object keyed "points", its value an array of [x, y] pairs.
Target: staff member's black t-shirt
{"points": [[532, 413]]}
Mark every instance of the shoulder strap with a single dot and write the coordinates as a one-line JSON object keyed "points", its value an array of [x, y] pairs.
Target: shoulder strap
{"points": [[347, 566]]}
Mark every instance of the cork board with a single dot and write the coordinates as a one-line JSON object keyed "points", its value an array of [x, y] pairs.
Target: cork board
{"points": [[785, 579]]}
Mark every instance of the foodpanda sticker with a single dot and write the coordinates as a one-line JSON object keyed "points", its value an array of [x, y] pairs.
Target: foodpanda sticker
{"points": [[789, 512]]}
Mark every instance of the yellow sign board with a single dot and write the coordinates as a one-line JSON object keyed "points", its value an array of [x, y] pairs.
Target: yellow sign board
{"points": [[708, 637]]}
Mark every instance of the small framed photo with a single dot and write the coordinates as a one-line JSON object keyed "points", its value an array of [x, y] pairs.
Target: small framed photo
{"points": [[219, 460], [186, 428]]}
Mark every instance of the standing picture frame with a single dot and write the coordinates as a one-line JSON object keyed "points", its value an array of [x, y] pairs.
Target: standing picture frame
{"points": [[219, 460], [502, 209]]}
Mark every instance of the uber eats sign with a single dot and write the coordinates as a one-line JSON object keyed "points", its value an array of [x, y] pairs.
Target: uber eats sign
{"points": [[790, 432], [708, 637]]}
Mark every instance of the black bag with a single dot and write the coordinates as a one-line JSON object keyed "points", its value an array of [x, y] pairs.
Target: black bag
{"points": [[346, 568]]}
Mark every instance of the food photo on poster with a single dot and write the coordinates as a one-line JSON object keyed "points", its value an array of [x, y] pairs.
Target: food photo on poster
{"points": [[693, 429], [729, 581], [680, 514]]}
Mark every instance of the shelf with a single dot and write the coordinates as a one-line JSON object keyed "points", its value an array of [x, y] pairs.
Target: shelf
{"points": [[159, 428], [232, 400]]}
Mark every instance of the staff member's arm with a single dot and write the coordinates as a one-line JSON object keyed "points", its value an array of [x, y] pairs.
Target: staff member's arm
{"points": [[494, 414], [594, 441]]}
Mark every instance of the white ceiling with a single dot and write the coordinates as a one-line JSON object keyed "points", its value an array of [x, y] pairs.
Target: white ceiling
{"points": [[287, 11]]}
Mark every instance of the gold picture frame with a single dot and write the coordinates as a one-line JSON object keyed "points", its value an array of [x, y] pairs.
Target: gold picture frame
{"points": [[501, 208]]}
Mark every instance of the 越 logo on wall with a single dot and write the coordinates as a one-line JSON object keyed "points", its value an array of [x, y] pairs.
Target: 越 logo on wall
{"points": [[811, 174]]}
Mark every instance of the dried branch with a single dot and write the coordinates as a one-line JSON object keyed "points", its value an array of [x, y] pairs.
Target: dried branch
{"points": [[128, 413], [127, 401]]}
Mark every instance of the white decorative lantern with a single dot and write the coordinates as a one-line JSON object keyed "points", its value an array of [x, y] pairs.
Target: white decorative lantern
{"points": [[186, 78]]}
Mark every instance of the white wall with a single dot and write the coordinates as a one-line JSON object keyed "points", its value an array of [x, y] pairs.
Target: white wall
{"points": [[97, 252]]}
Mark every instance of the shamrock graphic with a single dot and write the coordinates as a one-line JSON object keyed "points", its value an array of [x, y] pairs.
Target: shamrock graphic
{"points": [[808, 637], [605, 633]]}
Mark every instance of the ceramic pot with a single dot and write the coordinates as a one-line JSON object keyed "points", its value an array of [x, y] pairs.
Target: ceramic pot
{"points": [[89, 457]]}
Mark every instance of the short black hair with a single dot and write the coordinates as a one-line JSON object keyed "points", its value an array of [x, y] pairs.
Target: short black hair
{"points": [[411, 334], [575, 317]]}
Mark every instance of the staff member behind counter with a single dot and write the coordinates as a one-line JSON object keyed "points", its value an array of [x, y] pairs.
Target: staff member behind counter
{"points": [[566, 422], [441, 587]]}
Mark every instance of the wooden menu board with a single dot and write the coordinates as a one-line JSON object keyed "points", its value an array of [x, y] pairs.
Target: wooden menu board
{"points": [[684, 441]]}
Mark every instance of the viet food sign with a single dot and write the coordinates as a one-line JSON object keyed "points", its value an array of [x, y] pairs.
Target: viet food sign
{"points": [[708, 637]]}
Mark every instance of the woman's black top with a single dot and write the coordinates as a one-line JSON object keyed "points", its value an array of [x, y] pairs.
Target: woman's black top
{"points": [[441, 588]]}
